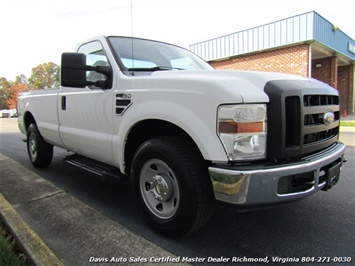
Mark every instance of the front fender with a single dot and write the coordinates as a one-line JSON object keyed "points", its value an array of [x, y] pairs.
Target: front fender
{"points": [[201, 128]]}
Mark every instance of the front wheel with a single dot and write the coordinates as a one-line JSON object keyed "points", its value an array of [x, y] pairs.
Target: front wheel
{"points": [[39, 151], [170, 181]]}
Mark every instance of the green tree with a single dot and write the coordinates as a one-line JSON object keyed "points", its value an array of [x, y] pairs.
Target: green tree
{"points": [[44, 76], [21, 79], [5, 91]]}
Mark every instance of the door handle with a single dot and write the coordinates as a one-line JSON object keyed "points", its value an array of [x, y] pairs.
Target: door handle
{"points": [[64, 103]]}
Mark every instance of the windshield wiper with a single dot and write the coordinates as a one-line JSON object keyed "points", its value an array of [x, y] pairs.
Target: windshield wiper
{"points": [[157, 68]]}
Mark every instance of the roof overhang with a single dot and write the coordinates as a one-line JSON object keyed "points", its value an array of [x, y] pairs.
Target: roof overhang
{"points": [[321, 51]]}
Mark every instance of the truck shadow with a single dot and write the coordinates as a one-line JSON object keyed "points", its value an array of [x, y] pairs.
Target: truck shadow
{"points": [[291, 230], [307, 228]]}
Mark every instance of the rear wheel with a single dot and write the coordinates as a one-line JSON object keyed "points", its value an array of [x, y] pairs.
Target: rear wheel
{"points": [[170, 181], [39, 151]]}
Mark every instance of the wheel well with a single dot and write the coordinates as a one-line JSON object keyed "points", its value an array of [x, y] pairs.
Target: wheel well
{"points": [[148, 129], [28, 119]]}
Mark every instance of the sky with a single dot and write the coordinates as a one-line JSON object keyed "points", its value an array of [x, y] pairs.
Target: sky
{"points": [[34, 32]]}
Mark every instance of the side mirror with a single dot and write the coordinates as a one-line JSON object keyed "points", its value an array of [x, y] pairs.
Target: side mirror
{"points": [[73, 72], [70, 77]]}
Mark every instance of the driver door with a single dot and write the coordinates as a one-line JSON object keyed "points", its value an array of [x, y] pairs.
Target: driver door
{"points": [[86, 114]]}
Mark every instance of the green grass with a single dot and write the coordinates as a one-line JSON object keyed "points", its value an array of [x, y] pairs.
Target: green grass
{"points": [[9, 255], [347, 123]]}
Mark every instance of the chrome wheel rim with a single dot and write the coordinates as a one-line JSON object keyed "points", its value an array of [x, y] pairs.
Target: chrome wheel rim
{"points": [[159, 188], [32, 147]]}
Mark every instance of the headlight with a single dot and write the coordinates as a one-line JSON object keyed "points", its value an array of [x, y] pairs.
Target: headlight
{"points": [[242, 130]]}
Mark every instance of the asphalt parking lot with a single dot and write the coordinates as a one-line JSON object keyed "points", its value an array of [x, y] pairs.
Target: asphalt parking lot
{"points": [[84, 220]]}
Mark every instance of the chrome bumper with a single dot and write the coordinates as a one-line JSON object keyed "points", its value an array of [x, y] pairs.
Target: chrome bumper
{"points": [[259, 184]]}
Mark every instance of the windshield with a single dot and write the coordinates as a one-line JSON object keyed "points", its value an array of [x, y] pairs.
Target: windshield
{"points": [[152, 56]]}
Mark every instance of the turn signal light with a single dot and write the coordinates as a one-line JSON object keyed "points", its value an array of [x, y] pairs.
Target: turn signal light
{"points": [[231, 127]]}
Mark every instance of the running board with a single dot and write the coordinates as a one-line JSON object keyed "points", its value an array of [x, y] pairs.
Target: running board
{"points": [[93, 166]]}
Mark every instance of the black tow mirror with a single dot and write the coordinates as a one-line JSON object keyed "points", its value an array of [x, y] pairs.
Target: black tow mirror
{"points": [[73, 71], [73, 77]]}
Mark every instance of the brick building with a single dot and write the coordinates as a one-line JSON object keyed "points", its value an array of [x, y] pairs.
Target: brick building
{"points": [[306, 45]]}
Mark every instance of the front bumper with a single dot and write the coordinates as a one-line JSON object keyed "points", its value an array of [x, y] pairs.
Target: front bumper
{"points": [[261, 184]]}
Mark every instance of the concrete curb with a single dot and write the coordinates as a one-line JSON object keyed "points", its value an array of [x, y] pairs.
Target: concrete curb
{"points": [[29, 242], [347, 129], [75, 232]]}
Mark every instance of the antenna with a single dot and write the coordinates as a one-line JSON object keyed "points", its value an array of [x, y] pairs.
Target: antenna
{"points": [[132, 73]]}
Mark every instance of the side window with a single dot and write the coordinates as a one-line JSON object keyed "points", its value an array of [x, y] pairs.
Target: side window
{"points": [[95, 56]]}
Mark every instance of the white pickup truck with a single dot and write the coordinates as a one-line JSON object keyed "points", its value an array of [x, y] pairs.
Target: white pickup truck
{"points": [[185, 133]]}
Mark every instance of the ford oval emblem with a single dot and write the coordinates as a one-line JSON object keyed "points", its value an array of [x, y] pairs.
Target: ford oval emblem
{"points": [[328, 118]]}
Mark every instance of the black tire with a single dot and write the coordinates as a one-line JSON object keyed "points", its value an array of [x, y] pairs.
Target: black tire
{"points": [[39, 151], [172, 185]]}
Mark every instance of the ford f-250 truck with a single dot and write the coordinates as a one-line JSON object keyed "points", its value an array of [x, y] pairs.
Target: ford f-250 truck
{"points": [[185, 133]]}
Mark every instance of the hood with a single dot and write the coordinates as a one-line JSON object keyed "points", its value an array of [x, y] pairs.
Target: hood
{"points": [[229, 85]]}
